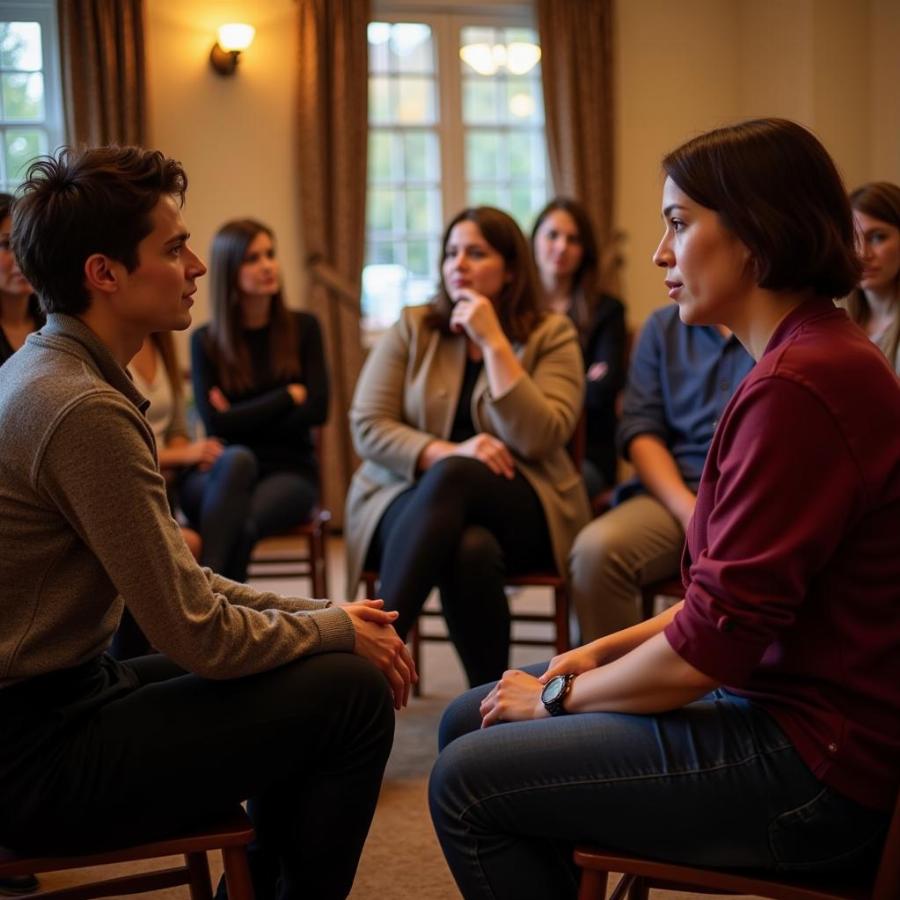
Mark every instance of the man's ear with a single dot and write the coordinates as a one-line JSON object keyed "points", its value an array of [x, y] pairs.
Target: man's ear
{"points": [[102, 274]]}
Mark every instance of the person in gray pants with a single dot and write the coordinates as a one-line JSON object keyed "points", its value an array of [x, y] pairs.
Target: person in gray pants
{"points": [[680, 379]]}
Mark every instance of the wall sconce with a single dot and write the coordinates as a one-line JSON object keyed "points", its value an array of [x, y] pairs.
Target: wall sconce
{"points": [[234, 38]]}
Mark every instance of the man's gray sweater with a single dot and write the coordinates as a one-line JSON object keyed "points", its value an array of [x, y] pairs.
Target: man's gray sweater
{"points": [[85, 525]]}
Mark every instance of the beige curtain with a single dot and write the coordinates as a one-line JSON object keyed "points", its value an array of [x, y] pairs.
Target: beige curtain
{"points": [[577, 73], [333, 144], [102, 50]]}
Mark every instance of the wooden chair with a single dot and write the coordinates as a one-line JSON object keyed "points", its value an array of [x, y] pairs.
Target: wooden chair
{"points": [[310, 560], [665, 587], [640, 875], [230, 834]]}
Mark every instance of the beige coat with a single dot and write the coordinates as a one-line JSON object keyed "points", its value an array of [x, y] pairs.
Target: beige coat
{"points": [[407, 396]]}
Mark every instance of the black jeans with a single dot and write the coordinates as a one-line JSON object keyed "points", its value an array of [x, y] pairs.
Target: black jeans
{"points": [[463, 529], [108, 754]]}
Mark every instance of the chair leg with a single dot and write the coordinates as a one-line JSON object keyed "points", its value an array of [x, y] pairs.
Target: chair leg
{"points": [[198, 868], [237, 873], [415, 646], [323, 559], [561, 615], [315, 563], [639, 889], [593, 885]]}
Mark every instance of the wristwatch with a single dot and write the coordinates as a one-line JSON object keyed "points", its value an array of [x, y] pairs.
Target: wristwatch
{"points": [[555, 692]]}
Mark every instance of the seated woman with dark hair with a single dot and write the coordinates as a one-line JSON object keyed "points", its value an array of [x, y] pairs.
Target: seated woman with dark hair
{"points": [[20, 312], [461, 415], [757, 723], [874, 304], [260, 385], [568, 259]]}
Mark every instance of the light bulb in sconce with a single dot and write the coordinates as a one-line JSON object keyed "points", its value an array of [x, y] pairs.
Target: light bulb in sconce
{"points": [[234, 38]]}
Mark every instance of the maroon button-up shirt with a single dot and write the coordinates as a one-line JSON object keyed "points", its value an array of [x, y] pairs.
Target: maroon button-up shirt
{"points": [[792, 563]]}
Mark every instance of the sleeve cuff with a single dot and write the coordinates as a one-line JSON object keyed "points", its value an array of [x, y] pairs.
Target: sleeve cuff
{"points": [[713, 645], [336, 632]]}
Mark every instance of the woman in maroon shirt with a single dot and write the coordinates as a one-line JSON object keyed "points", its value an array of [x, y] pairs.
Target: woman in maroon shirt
{"points": [[756, 724]]}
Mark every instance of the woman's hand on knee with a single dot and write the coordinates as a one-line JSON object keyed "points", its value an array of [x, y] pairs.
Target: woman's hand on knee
{"points": [[491, 451], [516, 697], [574, 662], [378, 641]]}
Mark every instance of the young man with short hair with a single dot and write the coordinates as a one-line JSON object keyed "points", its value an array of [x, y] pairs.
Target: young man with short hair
{"points": [[253, 695]]}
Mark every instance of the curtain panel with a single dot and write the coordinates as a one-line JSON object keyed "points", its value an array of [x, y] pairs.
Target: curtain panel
{"points": [[333, 119], [577, 74], [103, 70]]}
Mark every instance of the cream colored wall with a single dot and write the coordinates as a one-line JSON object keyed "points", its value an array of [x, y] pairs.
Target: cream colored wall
{"points": [[681, 68], [676, 76], [235, 136], [884, 86], [833, 65]]}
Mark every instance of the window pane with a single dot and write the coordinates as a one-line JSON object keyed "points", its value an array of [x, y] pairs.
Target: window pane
{"points": [[379, 34], [522, 156], [412, 48], [487, 195], [420, 156], [380, 253], [480, 101], [417, 211], [522, 206], [21, 146], [23, 96], [379, 100], [380, 210], [380, 155], [483, 155], [415, 101], [20, 46], [383, 292], [422, 211], [477, 36], [418, 259]]}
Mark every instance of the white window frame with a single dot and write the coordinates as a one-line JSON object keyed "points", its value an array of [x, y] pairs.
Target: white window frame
{"points": [[43, 12], [446, 21]]}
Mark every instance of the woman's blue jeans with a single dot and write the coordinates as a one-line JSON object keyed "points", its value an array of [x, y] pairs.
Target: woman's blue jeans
{"points": [[715, 783]]}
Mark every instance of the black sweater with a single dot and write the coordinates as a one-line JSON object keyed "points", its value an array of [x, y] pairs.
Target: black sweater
{"points": [[265, 418]]}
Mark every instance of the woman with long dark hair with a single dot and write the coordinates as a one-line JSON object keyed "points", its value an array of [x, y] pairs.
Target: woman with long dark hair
{"points": [[874, 303], [568, 260], [20, 311], [757, 723], [461, 416], [261, 384]]}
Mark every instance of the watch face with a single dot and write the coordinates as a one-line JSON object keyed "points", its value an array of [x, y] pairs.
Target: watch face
{"points": [[553, 689]]}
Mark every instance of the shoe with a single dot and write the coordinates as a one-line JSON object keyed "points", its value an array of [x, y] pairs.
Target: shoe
{"points": [[19, 885]]}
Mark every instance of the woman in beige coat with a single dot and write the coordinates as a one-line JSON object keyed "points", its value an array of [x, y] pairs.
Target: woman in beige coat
{"points": [[461, 415]]}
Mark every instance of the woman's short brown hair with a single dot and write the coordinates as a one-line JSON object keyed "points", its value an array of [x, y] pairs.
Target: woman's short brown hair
{"points": [[519, 306], [776, 188]]}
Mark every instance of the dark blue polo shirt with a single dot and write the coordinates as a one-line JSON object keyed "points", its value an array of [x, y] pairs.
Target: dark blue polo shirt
{"points": [[680, 379]]}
